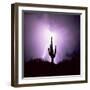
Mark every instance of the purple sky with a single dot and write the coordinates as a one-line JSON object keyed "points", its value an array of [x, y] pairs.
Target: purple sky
{"points": [[40, 26]]}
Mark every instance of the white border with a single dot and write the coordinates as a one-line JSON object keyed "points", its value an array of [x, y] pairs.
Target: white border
{"points": [[53, 78]]}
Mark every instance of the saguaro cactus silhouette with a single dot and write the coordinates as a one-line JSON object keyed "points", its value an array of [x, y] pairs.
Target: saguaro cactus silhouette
{"points": [[51, 51]]}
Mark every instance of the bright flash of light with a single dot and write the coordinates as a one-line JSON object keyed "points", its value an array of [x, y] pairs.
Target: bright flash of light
{"points": [[47, 35]]}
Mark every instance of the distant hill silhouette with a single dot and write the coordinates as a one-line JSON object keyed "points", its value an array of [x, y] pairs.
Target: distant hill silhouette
{"points": [[39, 67]]}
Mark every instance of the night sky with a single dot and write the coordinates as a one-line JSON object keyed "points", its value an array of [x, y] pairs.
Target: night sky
{"points": [[40, 26]]}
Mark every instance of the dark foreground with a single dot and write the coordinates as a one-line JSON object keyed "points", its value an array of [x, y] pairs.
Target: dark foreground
{"points": [[37, 67]]}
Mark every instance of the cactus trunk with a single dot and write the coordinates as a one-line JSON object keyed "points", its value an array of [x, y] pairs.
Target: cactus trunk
{"points": [[52, 52], [52, 60]]}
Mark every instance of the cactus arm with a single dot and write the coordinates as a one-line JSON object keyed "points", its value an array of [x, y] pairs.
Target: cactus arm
{"points": [[55, 49], [49, 50]]}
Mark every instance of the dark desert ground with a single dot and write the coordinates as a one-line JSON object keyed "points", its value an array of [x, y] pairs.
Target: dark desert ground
{"points": [[38, 67]]}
